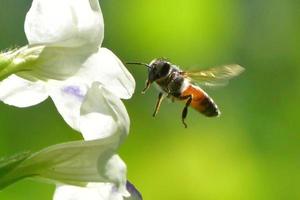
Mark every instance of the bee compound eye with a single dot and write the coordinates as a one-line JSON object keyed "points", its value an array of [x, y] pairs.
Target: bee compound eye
{"points": [[165, 69]]}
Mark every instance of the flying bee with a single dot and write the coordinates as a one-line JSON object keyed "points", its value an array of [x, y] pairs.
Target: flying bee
{"points": [[182, 85]]}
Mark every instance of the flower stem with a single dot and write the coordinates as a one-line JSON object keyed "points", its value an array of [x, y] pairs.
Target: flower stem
{"points": [[4, 63], [19, 60]]}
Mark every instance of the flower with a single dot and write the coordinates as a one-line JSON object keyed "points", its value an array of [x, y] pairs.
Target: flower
{"points": [[98, 191], [64, 60], [76, 163], [80, 169]]}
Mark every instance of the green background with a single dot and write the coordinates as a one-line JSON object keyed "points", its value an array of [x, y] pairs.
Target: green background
{"points": [[251, 152]]}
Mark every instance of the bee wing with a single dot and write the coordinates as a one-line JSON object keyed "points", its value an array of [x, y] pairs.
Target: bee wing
{"points": [[214, 76]]}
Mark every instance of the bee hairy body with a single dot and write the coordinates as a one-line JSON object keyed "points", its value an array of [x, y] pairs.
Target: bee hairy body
{"points": [[178, 87], [201, 101]]}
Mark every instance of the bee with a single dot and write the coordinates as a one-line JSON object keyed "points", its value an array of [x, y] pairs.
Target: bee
{"points": [[182, 85]]}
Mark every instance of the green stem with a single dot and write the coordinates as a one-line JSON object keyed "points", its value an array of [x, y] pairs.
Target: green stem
{"points": [[18, 60], [4, 63], [6, 72]]}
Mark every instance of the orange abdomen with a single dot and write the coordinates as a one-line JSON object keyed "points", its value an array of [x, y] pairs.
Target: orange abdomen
{"points": [[201, 101]]}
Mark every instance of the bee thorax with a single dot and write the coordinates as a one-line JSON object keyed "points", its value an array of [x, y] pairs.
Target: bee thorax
{"points": [[185, 84]]}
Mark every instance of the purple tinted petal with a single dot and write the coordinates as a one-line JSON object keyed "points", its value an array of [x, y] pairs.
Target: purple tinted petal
{"points": [[135, 194], [74, 91]]}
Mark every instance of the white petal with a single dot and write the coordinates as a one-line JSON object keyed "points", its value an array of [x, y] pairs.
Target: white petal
{"points": [[58, 63], [61, 63], [65, 23], [95, 112], [106, 68], [77, 163], [21, 93], [68, 97], [115, 170], [96, 191], [102, 113], [99, 191]]}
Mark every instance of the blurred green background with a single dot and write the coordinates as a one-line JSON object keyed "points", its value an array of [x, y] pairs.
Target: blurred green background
{"points": [[251, 152]]}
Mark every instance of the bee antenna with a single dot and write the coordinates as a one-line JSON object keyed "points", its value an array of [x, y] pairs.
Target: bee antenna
{"points": [[137, 63]]}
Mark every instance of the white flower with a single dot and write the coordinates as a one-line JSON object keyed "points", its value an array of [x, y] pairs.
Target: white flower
{"points": [[95, 191], [93, 168], [63, 61]]}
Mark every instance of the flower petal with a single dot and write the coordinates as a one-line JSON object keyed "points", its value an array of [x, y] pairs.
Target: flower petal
{"points": [[115, 170], [65, 23], [19, 92], [134, 193], [101, 113], [68, 96], [95, 112], [57, 63], [77, 163], [94, 191], [106, 68]]}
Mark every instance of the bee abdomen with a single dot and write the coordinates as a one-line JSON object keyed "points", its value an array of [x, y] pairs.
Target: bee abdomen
{"points": [[201, 101], [209, 108]]}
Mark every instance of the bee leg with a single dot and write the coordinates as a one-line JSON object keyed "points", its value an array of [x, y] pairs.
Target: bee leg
{"points": [[159, 100], [185, 109], [146, 87]]}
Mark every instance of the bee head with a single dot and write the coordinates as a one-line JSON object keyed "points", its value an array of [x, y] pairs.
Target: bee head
{"points": [[159, 68]]}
